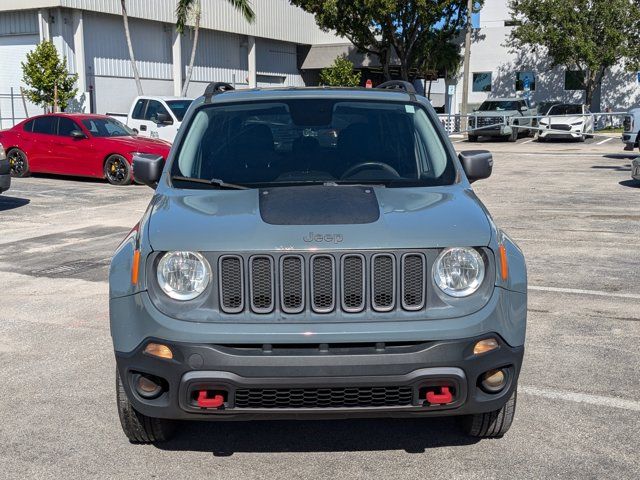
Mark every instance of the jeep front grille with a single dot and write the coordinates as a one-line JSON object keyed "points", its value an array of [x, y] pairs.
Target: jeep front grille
{"points": [[487, 121], [329, 397], [232, 288], [322, 283]]}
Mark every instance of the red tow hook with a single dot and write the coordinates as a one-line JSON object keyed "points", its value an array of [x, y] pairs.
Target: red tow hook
{"points": [[204, 401], [441, 398]]}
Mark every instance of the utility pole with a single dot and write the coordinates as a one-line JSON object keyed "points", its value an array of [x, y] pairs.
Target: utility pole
{"points": [[465, 79]]}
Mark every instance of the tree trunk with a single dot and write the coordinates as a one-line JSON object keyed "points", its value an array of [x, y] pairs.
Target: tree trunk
{"points": [[136, 74], [385, 59], [194, 47]]}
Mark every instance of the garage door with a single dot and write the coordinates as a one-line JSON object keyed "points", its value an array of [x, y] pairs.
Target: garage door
{"points": [[13, 51]]}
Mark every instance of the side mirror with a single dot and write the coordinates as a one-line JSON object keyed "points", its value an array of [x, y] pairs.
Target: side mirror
{"points": [[147, 168], [524, 108], [163, 119], [477, 164], [77, 134]]}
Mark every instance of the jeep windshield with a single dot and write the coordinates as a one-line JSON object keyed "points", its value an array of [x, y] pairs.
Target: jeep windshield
{"points": [[500, 106], [312, 141]]}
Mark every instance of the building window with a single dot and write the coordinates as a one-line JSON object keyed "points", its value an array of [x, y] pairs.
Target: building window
{"points": [[525, 81], [482, 82], [574, 80]]}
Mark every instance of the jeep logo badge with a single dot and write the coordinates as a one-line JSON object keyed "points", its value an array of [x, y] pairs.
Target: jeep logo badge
{"points": [[323, 238]]}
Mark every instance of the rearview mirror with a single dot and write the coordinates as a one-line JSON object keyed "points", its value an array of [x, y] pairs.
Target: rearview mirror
{"points": [[147, 168], [77, 134], [164, 119], [477, 164]]}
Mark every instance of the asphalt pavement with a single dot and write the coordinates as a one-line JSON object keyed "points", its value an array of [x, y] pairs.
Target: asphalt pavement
{"points": [[572, 208]]}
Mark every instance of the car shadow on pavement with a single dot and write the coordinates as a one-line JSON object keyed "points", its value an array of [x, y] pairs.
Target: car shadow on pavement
{"points": [[226, 438], [617, 168], [9, 203], [630, 183], [621, 156], [69, 178]]}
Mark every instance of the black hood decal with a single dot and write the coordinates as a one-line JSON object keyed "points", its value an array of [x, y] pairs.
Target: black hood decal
{"points": [[319, 205]]}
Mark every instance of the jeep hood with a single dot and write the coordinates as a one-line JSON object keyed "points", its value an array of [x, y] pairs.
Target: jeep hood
{"points": [[317, 217]]}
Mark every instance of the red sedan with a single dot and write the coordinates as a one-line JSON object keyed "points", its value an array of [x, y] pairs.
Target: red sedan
{"points": [[77, 144]]}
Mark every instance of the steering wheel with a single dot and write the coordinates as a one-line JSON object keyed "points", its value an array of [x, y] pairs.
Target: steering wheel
{"points": [[366, 165]]}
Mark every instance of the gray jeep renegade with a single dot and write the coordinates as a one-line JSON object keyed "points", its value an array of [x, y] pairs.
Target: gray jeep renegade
{"points": [[315, 253]]}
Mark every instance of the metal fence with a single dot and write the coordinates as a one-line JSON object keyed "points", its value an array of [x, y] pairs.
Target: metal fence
{"points": [[454, 124], [14, 107]]}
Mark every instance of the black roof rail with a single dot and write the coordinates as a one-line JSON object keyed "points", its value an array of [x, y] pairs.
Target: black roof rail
{"points": [[214, 88], [398, 85]]}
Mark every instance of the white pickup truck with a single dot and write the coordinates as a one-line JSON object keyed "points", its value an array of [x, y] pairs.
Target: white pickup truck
{"points": [[631, 126], [155, 117]]}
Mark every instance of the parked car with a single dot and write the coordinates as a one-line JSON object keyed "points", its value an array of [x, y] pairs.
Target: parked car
{"points": [[567, 120], [543, 107], [501, 117], [5, 171], [77, 144], [155, 117], [361, 278], [631, 126]]}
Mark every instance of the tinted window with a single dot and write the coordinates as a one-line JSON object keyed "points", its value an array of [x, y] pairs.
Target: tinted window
{"points": [[138, 111], [566, 109], [574, 80], [500, 106], [179, 107], [482, 82], [525, 81], [315, 141], [28, 127], [46, 125], [66, 126], [107, 127], [153, 109]]}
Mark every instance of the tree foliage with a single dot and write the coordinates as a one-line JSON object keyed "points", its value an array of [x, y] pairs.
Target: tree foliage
{"points": [[191, 11], [589, 35], [43, 71], [340, 74], [384, 27]]}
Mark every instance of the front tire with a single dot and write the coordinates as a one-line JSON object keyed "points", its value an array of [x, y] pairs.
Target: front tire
{"points": [[138, 427], [472, 138], [514, 134], [18, 163], [117, 170], [491, 424]]}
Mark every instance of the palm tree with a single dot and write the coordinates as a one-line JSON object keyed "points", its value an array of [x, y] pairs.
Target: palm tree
{"points": [[188, 7], [136, 74]]}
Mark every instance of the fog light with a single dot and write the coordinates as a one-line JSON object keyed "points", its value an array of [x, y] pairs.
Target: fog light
{"points": [[158, 350], [147, 387], [493, 381], [484, 346]]}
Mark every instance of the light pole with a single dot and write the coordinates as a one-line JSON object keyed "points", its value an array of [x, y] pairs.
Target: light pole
{"points": [[465, 79]]}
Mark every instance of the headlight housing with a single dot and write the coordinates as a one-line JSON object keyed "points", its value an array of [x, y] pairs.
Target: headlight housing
{"points": [[578, 123], [459, 271], [183, 275]]}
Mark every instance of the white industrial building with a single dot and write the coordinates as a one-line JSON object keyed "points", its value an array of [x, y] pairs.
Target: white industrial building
{"points": [[495, 71], [90, 35]]}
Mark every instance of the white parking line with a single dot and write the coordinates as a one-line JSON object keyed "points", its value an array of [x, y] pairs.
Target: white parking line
{"points": [[527, 141], [599, 400], [597, 293], [605, 141]]}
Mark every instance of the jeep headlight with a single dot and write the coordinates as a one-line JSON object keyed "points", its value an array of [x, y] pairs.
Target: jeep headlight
{"points": [[459, 271], [183, 275]]}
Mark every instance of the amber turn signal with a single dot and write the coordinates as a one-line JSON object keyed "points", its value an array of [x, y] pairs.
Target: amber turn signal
{"points": [[484, 346], [158, 350], [135, 267], [504, 266]]}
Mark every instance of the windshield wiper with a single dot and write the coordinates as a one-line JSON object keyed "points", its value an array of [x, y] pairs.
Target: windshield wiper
{"points": [[214, 182]]}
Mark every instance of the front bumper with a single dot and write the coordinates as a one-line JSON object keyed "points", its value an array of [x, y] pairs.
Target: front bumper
{"points": [[635, 170], [5, 182], [549, 132], [5, 175], [630, 141], [293, 381]]}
